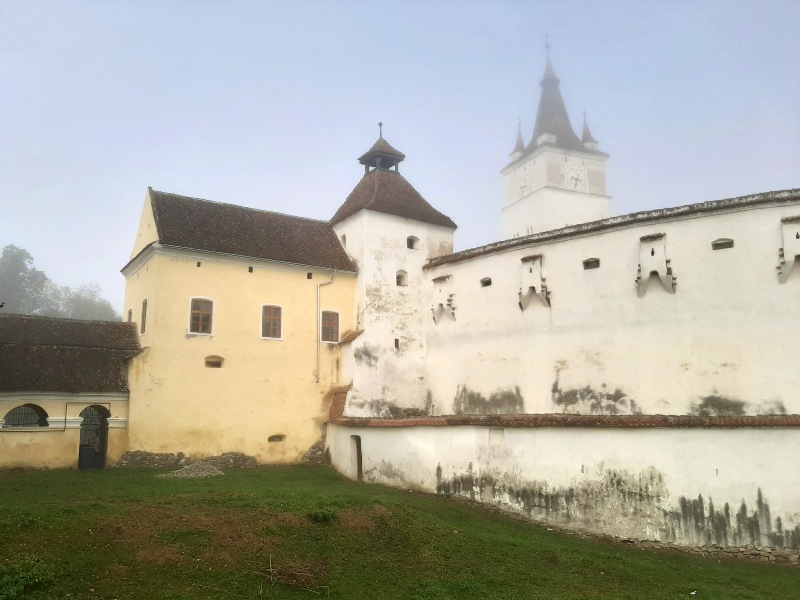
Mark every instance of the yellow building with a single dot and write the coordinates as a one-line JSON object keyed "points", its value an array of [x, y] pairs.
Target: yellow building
{"points": [[241, 315], [63, 391]]}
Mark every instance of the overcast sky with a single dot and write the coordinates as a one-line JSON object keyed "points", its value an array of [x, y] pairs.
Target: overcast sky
{"points": [[268, 105]]}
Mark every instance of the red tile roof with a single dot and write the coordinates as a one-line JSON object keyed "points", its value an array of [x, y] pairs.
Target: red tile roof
{"points": [[198, 224], [389, 192], [43, 354], [563, 420]]}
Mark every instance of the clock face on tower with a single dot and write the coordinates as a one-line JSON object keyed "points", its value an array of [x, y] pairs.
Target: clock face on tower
{"points": [[524, 185], [576, 179]]}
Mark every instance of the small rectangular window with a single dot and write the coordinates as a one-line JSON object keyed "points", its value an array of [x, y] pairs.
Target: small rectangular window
{"points": [[721, 244], [202, 312], [144, 315], [271, 321], [591, 263], [330, 326]]}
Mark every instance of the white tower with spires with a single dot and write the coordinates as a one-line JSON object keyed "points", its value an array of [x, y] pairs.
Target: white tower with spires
{"points": [[557, 179]]}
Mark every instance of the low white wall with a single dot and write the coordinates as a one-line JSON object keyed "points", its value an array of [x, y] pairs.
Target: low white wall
{"points": [[690, 485]]}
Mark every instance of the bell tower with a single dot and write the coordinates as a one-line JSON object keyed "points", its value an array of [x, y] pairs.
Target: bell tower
{"points": [[557, 179]]}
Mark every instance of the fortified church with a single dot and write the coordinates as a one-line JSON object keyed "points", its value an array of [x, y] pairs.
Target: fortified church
{"points": [[632, 375]]}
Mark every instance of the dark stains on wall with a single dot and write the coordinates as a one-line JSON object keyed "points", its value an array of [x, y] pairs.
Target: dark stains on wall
{"points": [[389, 410], [366, 354], [501, 402], [625, 504], [720, 406], [717, 406], [726, 528], [587, 400], [429, 403]]}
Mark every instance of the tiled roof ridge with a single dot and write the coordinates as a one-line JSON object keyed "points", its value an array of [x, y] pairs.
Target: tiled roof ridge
{"points": [[71, 345], [239, 206], [62, 319], [567, 420], [639, 217]]}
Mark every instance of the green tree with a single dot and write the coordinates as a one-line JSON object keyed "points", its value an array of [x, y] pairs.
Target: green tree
{"points": [[26, 290], [22, 286]]}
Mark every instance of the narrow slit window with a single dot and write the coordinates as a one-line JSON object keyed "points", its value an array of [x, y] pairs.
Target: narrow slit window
{"points": [[249, 269], [144, 316], [486, 282], [309, 275], [130, 315], [722, 244], [397, 343], [198, 263], [202, 314], [278, 437], [591, 263]]}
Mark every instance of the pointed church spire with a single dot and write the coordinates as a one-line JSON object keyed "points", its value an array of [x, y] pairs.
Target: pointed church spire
{"points": [[552, 122], [519, 147], [586, 138]]}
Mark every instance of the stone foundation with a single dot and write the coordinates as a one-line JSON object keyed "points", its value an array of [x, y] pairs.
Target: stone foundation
{"points": [[227, 460]]}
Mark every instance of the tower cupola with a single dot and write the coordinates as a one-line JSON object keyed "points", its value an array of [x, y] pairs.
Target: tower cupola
{"points": [[381, 155]]}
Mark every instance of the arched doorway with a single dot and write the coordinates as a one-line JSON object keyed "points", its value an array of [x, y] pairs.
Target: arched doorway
{"points": [[94, 437]]}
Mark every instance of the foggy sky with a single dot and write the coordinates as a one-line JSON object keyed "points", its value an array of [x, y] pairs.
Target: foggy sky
{"points": [[268, 105]]}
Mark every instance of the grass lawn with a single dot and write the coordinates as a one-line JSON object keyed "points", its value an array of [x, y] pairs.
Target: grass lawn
{"points": [[127, 534]]}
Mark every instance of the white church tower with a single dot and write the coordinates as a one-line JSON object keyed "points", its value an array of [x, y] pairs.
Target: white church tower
{"points": [[557, 179]]}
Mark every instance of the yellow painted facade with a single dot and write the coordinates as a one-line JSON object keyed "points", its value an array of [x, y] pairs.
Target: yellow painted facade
{"points": [[57, 445], [265, 388]]}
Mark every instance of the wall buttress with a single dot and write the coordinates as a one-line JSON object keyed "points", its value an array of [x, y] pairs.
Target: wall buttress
{"points": [[653, 261], [533, 283]]}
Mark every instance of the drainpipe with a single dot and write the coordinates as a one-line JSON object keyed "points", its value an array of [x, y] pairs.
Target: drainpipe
{"points": [[319, 319]]}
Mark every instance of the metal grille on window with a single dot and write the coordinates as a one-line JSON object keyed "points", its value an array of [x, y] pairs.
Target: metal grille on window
{"points": [[25, 416]]}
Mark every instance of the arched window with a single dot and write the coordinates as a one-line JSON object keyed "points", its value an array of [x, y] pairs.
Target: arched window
{"points": [[412, 242], [201, 318], [722, 244], [28, 415], [214, 361], [401, 278]]}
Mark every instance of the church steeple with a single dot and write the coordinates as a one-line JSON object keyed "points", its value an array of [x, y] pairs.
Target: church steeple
{"points": [[552, 122]]}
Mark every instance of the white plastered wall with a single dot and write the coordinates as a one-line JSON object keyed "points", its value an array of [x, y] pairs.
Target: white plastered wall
{"points": [[726, 338], [640, 483], [385, 375]]}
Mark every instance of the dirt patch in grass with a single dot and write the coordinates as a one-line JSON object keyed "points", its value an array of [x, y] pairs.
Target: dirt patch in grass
{"points": [[358, 519], [164, 535]]}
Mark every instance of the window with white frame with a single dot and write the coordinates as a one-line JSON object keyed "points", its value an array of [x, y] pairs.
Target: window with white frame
{"points": [[202, 314]]}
